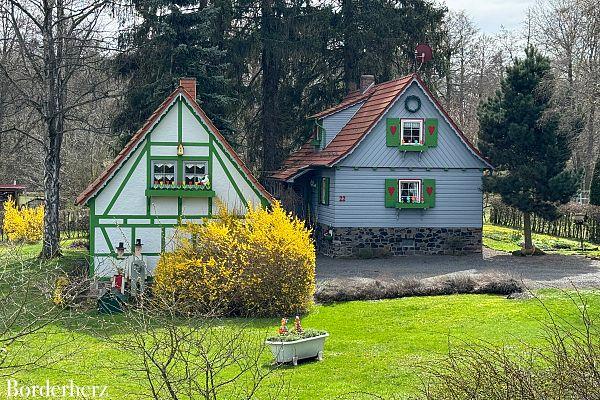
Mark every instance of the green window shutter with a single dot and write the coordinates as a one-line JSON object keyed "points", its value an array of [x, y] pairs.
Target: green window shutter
{"points": [[319, 191], [429, 192], [323, 191], [326, 191], [431, 132], [391, 192], [392, 137]]}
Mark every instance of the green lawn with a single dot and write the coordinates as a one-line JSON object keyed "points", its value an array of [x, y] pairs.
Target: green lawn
{"points": [[375, 346], [508, 239]]}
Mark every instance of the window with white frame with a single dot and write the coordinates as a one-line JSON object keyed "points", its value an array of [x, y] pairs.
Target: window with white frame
{"points": [[412, 132], [164, 172], [410, 191], [194, 172]]}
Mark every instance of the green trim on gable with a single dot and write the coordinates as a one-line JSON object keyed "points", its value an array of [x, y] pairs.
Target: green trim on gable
{"points": [[264, 200], [185, 144], [179, 193], [92, 236], [128, 156], [183, 158], [107, 239], [231, 180], [210, 170], [179, 123], [125, 180]]}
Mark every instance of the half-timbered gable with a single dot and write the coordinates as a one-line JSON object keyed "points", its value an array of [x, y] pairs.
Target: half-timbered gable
{"points": [[176, 168]]}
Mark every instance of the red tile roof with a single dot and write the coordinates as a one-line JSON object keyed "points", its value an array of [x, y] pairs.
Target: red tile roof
{"points": [[351, 99], [139, 136], [376, 102], [12, 186]]}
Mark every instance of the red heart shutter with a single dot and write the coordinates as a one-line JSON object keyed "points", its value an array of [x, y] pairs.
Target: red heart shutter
{"points": [[431, 132], [391, 192], [392, 137]]}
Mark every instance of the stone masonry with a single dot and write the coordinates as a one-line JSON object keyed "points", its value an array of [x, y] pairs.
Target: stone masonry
{"points": [[380, 242]]}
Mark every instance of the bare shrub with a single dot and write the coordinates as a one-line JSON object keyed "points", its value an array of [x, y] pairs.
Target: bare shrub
{"points": [[198, 357], [566, 367], [348, 289], [29, 338]]}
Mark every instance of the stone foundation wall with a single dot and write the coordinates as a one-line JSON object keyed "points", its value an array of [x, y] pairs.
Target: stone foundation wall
{"points": [[380, 242]]}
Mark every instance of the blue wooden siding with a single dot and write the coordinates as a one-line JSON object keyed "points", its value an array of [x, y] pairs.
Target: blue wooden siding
{"points": [[458, 200], [450, 152], [334, 123], [325, 214]]}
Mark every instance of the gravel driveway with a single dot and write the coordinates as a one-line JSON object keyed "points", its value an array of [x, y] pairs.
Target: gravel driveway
{"points": [[552, 270]]}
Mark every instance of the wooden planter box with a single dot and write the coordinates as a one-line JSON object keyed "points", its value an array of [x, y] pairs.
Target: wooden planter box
{"points": [[284, 352]]}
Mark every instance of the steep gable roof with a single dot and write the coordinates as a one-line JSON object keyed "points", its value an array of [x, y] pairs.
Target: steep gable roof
{"points": [[141, 134], [376, 103]]}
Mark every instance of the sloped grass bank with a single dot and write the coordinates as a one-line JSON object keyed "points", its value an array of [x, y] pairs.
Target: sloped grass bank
{"points": [[508, 239]]}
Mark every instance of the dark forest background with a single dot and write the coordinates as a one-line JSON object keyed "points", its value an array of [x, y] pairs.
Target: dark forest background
{"points": [[262, 67]]}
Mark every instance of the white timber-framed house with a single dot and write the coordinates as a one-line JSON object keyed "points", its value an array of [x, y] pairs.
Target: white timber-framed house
{"points": [[177, 168]]}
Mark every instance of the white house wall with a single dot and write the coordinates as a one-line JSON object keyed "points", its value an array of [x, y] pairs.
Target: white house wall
{"points": [[191, 130], [105, 196], [167, 128], [132, 200], [225, 188], [194, 206]]}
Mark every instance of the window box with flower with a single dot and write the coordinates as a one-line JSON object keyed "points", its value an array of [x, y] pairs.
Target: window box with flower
{"points": [[195, 183]]}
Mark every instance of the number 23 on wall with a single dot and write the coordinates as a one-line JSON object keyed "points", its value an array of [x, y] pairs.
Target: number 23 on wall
{"points": [[342, 198]]}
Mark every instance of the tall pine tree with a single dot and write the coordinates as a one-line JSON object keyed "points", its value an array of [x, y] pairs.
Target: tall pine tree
{"points": [[174, 39], [520, 134]]}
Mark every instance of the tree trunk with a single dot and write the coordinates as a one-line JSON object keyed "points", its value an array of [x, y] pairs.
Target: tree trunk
{"points": [[270, 85], [54, 120], [351, 73], [527, 231], [51, 246]]}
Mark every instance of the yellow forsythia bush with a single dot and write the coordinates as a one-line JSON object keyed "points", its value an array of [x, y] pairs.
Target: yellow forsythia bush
{"points": [[262, 264], [25, 224]]}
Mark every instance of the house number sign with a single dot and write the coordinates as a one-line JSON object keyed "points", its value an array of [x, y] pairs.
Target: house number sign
{"points": [[342, 198]]}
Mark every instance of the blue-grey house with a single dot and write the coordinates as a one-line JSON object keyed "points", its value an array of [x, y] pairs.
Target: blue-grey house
{"points": [[387, 170]]}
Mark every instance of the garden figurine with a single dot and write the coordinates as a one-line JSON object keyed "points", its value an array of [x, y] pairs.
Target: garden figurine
{"points": [[283, 329], [298, 325], [118, 281]]}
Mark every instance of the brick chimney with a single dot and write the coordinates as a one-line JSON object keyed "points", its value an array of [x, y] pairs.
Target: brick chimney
{"points": [[189, 85], [366, 81]]}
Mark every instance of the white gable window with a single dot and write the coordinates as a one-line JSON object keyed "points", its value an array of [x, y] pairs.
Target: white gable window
{"points": [[194, 172], [410, 191], [411, 132], [164, 172]]}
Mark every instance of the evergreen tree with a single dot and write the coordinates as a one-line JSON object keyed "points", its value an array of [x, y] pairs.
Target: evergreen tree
{"points": [[521, 136], [595, 186], [174, 39]]}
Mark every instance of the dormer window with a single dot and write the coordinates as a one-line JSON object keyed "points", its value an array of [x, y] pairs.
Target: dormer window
{"points": [[318, 133], [163, 172], [411, 132], [194, 172]]}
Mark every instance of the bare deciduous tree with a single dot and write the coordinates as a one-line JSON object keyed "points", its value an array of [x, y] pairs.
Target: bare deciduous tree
{"points": [[60, 69]]}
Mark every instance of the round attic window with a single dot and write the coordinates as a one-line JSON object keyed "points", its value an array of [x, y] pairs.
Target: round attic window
{"points": [[412, 104]]}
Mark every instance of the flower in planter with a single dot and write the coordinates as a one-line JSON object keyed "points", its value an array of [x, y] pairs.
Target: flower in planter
{"points": [[283, 329], [205, 182], [298, 325]]}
